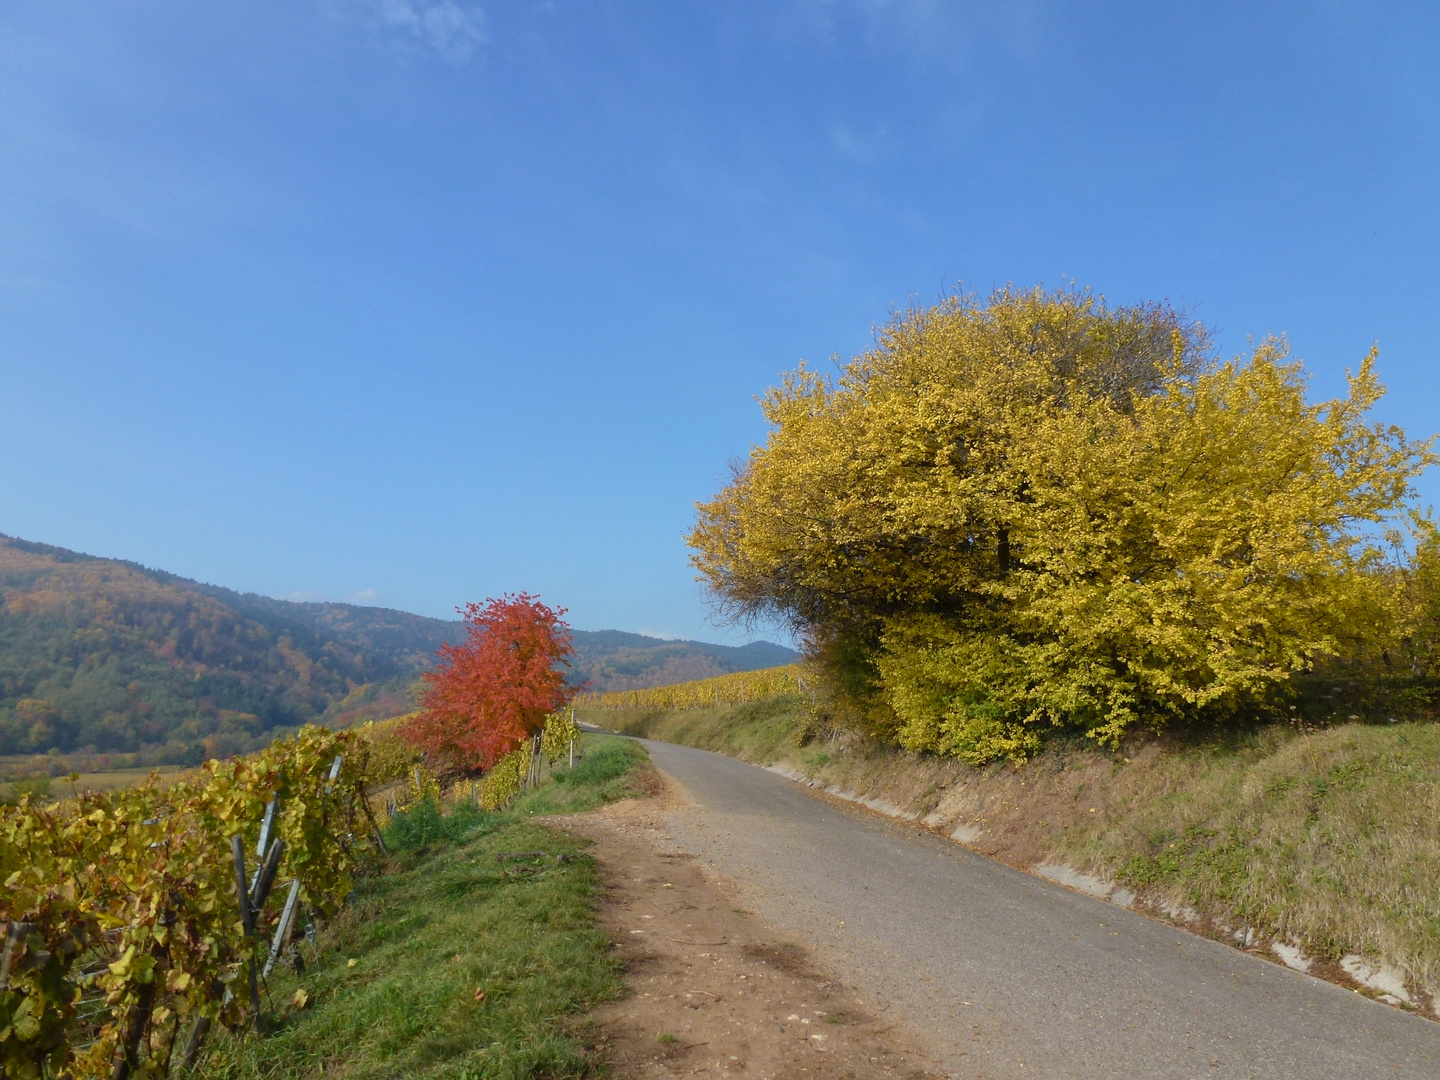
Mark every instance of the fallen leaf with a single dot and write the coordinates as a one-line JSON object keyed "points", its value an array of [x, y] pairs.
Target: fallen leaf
{"points": [[479, 994], [300, 999], [351, 962]]}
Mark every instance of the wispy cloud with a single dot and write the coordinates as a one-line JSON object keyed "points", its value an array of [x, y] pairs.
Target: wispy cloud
{"points": [[452, 29], [946, 34], [364, 596], [855, 144]]}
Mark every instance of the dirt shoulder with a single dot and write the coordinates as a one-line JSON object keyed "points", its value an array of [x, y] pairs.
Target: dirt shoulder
{"points": [[713, 989]]}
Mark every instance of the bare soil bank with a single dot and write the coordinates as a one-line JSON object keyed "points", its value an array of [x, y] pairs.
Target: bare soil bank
{"points": [[1318, 849], [714, 990]]}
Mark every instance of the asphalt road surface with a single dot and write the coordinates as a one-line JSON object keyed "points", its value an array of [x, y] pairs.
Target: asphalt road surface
{"points": [[1009, 975]]}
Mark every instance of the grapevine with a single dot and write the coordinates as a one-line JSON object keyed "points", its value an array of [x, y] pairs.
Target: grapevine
{"points": [[560, 732], [720, 690], [504, 781], [128, 902]]}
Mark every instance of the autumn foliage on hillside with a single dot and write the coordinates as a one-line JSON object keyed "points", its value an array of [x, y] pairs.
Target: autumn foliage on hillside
{"points": [[493, 691]]}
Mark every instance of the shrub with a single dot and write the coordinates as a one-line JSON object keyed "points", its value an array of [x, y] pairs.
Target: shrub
{"points": [[1040, 511], [423, 826]]}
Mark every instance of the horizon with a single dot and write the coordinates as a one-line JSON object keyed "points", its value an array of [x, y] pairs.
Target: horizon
{"points": [[381, 607]]}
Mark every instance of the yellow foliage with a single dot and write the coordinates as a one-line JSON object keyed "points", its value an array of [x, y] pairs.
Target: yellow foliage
{"points": [[503, 782], [143, 878], [560, 729], [391, 757], [718, 690], [1420, 645], [420, 784], [1039, 511]]}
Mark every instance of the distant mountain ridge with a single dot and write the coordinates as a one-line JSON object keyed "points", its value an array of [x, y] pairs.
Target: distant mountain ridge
{"points": [[108, 656], [616, 660]]}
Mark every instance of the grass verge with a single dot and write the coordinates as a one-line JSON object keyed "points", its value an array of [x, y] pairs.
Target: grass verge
{"points": [[1326, 839], [451, 961], [763, 732]]}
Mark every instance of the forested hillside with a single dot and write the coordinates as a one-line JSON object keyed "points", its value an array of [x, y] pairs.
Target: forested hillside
{"points": [[97, 653], [107, 656]]}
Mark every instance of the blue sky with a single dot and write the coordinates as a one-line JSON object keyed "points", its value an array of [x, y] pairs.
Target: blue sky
{"points": [[417, 301]]}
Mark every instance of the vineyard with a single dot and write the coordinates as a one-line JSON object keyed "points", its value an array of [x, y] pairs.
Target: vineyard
{"points": [[137, 919], [733, 689], [392, 758], [136, 922]]}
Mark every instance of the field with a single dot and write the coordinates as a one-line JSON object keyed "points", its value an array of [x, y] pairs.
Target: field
{"points": [[1326, 839], [62, 787]]}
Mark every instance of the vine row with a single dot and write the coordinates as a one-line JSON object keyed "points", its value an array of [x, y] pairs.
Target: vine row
{"points": [[138, 918]]}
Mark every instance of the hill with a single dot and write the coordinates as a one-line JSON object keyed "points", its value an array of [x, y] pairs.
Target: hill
{"points": [[609, 660], [105, 656]]}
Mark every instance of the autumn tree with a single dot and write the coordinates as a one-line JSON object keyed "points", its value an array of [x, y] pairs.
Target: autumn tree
{"points": [[1037, 511], [493, 691]]}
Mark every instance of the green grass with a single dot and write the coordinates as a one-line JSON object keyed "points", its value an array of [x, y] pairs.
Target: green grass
{"points": [[393, 988], [757, 731], [604, 774], [1331, 838]]}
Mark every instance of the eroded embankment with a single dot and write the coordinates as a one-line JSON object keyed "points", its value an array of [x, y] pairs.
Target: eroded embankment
{"points": [[1318, 849]]}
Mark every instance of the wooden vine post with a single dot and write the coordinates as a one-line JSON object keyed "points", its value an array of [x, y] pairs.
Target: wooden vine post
{"points": [[247, 919], [179, 954]]}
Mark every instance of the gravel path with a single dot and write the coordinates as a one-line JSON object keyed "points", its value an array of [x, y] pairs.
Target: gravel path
{"points": [[1008, 975]]}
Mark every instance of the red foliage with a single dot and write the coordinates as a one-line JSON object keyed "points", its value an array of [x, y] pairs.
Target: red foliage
{"points": [[493, 691]]}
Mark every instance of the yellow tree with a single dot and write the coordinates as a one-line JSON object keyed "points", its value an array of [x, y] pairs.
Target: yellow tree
{"points": [[1040, 511]]}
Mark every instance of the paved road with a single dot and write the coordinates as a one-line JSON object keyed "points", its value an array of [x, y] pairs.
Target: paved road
{"points": [[1009, 975]]}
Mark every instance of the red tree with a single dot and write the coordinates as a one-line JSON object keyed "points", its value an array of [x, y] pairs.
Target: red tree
{"points": [[493, 691]]}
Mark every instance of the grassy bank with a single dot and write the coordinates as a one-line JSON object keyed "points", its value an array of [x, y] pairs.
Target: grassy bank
{"points": [[452, 961], [1325, 839]]}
